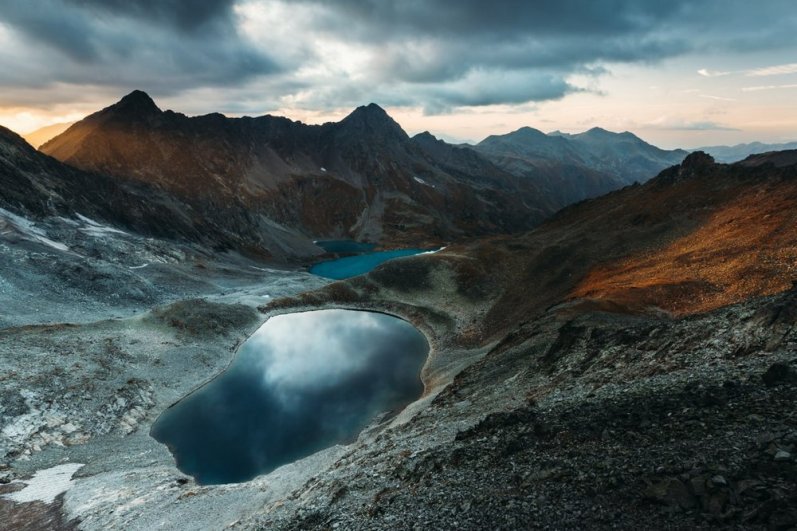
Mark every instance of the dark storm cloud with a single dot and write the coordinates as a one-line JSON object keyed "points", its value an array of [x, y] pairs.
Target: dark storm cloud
{"points": [[512, 33], [444, 41], [164, 46], [183, 15], [504, 18], [512, 19], [437, 54]]}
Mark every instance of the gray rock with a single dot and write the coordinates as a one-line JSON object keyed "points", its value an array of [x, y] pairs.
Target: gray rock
{"points": [[782, 455]]}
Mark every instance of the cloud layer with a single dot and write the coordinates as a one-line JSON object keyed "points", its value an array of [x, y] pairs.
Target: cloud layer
{"points": [[323, 54], [163, 46]]}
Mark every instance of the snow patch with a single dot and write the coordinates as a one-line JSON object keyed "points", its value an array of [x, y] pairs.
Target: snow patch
{"points": [[433, 251], [29, 229], [46, 484], [139, 267], [90, 221], [419, 180], [97, 229], [267, 270]]}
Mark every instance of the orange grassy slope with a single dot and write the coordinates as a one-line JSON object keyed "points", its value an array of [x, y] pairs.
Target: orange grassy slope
{"points": [[746, 248]]}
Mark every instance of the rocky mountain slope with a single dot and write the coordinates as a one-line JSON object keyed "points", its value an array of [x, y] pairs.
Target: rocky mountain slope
{"points": [[699, 236], [360, 178], [572, 167], [35, 185]]}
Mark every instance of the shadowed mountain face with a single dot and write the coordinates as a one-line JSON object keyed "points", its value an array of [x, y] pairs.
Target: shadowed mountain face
{"points": [[35, 185], [361, 178], [570, 168]]}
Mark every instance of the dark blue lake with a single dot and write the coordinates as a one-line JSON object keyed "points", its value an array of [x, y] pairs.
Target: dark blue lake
{"points": [[351, 266], [303, 382]]}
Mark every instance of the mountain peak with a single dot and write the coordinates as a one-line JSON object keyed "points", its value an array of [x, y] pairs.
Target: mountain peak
{"points": [[426, 136], [697, 160], [697, 163], [598, 131], [372, 118], [601, 135], [371, 110], [9, 136], [137, 103], [526, 130], [778, 159]]}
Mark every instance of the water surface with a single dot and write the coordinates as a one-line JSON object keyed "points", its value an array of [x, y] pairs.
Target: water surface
{"points": [[351, 266], [301, 383]]}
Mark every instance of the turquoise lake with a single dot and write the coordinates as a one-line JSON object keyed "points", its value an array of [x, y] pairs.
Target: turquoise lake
{"points": [[351, 266], [301, 383]]}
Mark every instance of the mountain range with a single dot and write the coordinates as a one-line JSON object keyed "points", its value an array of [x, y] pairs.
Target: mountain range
{"points": [[274, 183], [273, 180], [571, 167]]}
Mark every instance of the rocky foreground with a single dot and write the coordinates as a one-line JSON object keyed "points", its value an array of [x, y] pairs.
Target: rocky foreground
{"points": [[594, 421]]}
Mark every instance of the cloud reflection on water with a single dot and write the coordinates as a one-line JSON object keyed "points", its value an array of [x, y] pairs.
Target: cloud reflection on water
{"points": [[303, 382]]}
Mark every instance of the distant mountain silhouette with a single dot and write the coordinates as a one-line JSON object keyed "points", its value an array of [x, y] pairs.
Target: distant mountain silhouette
{"points": [[362, 178], [739, 152], [571, 167], [43, 134]]}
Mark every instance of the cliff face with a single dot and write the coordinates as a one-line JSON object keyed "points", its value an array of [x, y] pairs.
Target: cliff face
{"points": [[360, 178]]}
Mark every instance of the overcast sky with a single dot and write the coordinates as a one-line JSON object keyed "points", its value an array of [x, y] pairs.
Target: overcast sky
{"points": [[677, 72]]}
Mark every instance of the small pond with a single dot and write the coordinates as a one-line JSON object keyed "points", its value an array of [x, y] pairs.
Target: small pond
{"points": [[351, 266], [303, 382]]}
